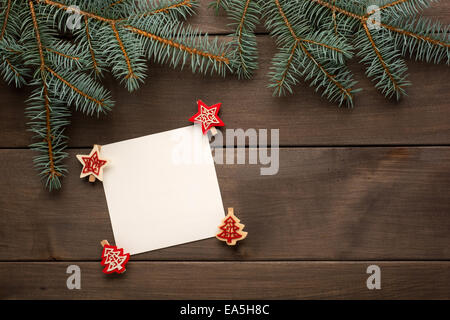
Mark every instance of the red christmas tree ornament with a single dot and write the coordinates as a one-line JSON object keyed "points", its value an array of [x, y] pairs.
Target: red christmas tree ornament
{"points": [[113, 259], [92, 164], [207, 116], [231, 230]]}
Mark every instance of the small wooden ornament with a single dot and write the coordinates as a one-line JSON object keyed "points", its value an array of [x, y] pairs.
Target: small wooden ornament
{"points": [[93, 165], [208, 117], [113, 259], [231, 230], [213, 131]]}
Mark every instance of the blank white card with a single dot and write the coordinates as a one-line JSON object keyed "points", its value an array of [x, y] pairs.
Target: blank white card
{"points": [[162, 190]]}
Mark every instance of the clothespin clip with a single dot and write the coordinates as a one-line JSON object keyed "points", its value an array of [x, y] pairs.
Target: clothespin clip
{"points": [[104, 242], [113, 259], [92, 164], [231, 230], [208, 117], [213, 131]]}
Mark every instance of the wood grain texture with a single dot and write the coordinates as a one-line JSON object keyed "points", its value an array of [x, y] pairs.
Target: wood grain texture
{"points": [[303, 119], [218, 280], [169, 98], [324, 204], [339, 206]]}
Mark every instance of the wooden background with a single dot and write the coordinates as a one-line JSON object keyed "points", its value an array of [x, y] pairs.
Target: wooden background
{"points": [[356, 187]]}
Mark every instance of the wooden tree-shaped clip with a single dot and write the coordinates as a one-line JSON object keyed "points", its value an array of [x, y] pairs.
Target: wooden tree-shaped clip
{"points": [[113, 258], [231, 229]]}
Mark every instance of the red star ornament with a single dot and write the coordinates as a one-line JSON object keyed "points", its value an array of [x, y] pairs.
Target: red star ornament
{"points": [[207, 116], [113, 259], [231, 230], [92, 164]]}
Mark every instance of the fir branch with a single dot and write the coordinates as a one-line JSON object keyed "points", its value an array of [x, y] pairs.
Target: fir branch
{"points": [[391, 77], [317, 65], [92, 103], [63, 54], [114, 4], [51, 143], [287, 78], [131, 76], [218, 4], [335, 8], [135, 67], [416, 36], [95, 65], [180, 46], [421, 39], [296, 37], [12, 68], [168, 7], [245, 14], [363, 19], [14, 51], [92, 15], [387, 5], [397, 82], [53, 173], [38, 38], [345, 91], [285, 19], [401, 7], [380, 58], [315, 39], [125, 54], [335, 27], [34, 46], [50, 169], [5, 19]]}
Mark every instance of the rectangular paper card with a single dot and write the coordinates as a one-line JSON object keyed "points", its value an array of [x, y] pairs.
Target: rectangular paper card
{"points": [[162, 190]]}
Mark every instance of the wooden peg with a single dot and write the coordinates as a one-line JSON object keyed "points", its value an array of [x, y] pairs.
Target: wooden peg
{"points": [[104, 242], [92, 177], [208, 117], [92, 164], [113, 258], [231, 230]]}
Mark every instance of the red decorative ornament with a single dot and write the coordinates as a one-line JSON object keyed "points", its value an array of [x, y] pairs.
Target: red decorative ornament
{"points": [[231, 230], [113, 259], [207, 116], [92, 164]]}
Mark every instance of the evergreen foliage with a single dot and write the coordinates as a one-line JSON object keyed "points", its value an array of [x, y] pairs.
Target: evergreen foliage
{"points": [[62, 48], [316, 38]]}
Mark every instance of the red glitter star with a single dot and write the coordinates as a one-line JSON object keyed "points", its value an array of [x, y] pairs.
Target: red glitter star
{"points": [[207, 116]]}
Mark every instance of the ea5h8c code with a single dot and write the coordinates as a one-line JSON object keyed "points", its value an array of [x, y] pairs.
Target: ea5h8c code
{"points": [[225, 310], [246, 309]]}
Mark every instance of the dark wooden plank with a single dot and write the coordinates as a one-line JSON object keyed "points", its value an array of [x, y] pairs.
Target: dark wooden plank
{"points": [[228, 280], [324, 204], [168, 98]]}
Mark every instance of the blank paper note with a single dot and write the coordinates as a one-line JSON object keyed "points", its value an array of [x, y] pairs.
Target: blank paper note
{"points": [[162, 190]]}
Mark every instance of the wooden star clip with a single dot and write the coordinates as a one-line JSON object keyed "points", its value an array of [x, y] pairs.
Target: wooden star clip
{"points": [[92, 164]]}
